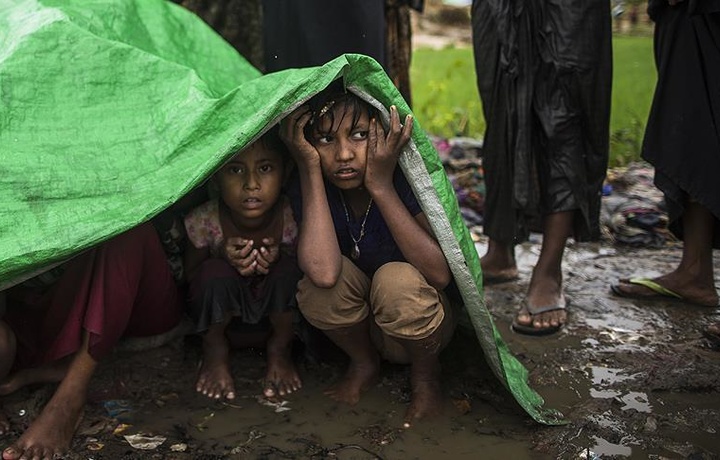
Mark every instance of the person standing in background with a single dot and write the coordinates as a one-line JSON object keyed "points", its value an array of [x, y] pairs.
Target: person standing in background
{"points": [[544, 73], [312, 32], [682, 141]]}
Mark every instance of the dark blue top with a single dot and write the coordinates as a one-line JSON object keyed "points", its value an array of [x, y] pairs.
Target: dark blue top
{"points": [[378, 246]]}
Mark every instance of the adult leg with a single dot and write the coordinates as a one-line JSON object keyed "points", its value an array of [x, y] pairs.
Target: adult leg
{"points": [[693, 279], [545, 289], [498, 264], [341, 312]]}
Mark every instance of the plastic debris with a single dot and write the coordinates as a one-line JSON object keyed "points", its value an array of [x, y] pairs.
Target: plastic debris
{"points": [[279, 406], [119, 409], [121, 428], [144, 442], [180, 447]]}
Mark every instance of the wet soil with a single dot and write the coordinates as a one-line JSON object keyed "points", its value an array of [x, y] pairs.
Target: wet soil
{"points": [[635, 379]]}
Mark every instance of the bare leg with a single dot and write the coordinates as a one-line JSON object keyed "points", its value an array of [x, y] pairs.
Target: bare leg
{"points": [[214, 378], [48, 373], [693, 278], [282, 377], [364, 362], [546, 283], [7, 358], [498, 263], [427, 399], [51, 433]]}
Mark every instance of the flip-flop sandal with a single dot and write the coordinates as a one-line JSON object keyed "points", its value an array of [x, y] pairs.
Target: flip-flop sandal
{"points": [[529, 329], [657, 291]]}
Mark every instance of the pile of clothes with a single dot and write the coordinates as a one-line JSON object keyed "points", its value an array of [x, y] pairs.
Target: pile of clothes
{"points": [[462, 160], [632, 211]]}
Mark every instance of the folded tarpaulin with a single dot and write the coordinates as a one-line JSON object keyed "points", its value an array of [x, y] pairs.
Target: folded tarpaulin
{"points": [[112, 110]]}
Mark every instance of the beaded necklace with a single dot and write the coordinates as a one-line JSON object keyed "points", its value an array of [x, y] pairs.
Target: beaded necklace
{"points": [[355, 252]]}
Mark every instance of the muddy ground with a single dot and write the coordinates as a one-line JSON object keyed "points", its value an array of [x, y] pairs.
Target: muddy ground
{"points": [[634, 380]]}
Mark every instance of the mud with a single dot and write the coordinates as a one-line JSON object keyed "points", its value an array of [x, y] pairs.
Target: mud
{"points": [[634, 380]]}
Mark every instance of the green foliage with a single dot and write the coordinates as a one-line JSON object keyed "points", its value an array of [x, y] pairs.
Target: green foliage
{"points": [[446, 100], [445, 95]]}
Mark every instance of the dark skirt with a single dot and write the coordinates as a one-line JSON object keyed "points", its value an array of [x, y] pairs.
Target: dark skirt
{"points": [[544, 73], [312, 32], [217, 292], [682, 138]]}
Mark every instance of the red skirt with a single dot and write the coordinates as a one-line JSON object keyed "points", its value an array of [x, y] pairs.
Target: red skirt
{"points": [[123, 287]]}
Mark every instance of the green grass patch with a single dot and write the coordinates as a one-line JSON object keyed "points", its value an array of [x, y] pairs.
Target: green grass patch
{"points": [[446, 100]]}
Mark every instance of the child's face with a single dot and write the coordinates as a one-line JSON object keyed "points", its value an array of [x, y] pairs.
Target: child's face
{"points": [[343, 147], [251, 181]]}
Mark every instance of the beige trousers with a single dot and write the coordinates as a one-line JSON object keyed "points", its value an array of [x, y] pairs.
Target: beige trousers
{"points": [[400, 302]]}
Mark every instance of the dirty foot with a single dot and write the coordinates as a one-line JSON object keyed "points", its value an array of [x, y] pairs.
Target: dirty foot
{"points": [[282, 377], [51, 373], [214, 378], [543, 310], [49, 436], [357, 379], [672, 286], [497, 269], [541, 320], [427, 401]]}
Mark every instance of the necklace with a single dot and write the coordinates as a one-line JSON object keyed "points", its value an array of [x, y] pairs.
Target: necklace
{"points": [[355, 253]]}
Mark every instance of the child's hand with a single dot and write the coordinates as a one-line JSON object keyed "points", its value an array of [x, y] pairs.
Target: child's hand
{"points": [[240, 254], [384, 149], [292, 132], [269, 254]]}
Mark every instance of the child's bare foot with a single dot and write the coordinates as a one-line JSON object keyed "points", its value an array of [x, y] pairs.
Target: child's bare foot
{"points": [[357, 379], [49, 436], [427, 401], [281, 378], [214, 378], [51, 373]]}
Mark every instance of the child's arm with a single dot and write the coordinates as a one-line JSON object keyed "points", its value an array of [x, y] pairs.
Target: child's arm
{"points": [[318, 252], [412, 234]]}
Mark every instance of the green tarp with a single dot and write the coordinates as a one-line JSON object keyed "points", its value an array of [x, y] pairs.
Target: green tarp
{"points": [[111, 110]]}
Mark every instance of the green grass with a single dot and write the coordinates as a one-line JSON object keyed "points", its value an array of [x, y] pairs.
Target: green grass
{"points": [[446, 100]]}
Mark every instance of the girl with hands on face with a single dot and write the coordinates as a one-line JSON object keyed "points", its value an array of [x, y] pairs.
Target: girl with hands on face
{"points": [[374, 274], [242, 270]]}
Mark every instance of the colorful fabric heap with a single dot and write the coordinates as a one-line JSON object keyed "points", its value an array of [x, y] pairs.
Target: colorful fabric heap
{"points": [[633, 213], [112, 110]]}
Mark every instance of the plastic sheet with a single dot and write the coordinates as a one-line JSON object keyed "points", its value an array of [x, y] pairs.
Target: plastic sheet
{"points": [[112, 110]]}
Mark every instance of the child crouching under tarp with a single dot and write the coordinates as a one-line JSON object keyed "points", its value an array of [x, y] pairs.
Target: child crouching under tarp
{"points": [[57, 326]]}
